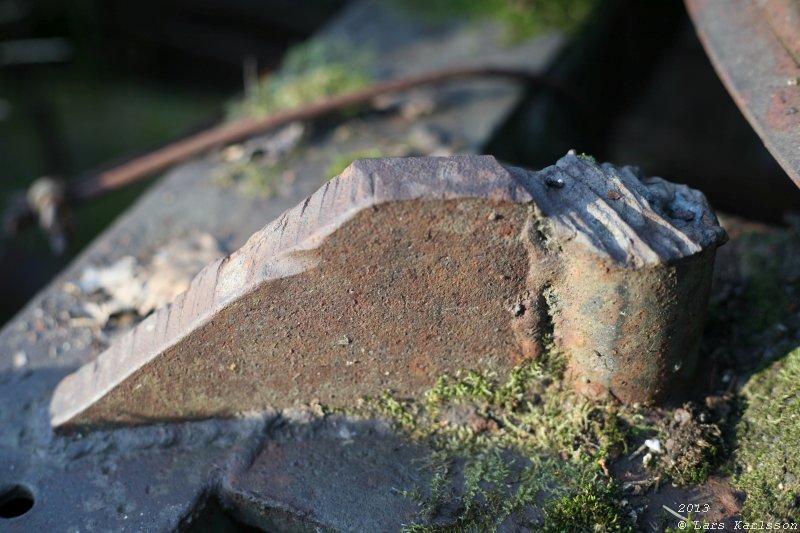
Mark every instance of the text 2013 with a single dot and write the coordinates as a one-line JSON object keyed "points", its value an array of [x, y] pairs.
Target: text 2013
{"points": [[693, 508]]}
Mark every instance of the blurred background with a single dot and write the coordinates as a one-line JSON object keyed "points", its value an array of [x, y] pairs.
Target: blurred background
{"points": [[89, 82]]}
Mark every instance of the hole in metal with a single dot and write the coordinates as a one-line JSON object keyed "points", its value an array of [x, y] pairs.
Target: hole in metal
{"points": [[15, 502]]}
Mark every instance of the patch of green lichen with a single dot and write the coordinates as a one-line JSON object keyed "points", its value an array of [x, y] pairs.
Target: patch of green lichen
{"points": [[342, 161], [311, 72], [769, 442], [523, 18], [522, 447], [250, 178]]}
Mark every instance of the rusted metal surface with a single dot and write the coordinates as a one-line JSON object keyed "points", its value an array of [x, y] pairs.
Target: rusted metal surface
{"points": [[755, 48], [400, 270]]}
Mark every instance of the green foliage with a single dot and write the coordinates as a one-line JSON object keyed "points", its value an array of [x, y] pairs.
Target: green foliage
{"points": [[310, 72], [590, 508], [511, 445], [250, 178], [524, 18], [769, 442], [342, 161]]}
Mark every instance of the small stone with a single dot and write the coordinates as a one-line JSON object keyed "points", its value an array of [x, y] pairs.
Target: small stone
{"points": [[233, 153], [682, 416], [614, 195]]}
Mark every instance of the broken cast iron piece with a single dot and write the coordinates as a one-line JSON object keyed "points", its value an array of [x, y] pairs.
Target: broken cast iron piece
{"points": [[402, 269]]}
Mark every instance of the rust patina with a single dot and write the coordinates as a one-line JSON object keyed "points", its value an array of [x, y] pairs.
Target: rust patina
{"points": [[402, 269], [755, 49]]}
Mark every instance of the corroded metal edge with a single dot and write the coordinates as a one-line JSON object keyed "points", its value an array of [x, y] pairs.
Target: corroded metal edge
{"points": [[275, 252], [748, 46]]}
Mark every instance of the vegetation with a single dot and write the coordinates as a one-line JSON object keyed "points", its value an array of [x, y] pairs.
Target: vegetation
{"points": [[251, 178], [342, 161], [523, 447], [310, 72], [591, 508], [769, 442], [524, 18]]}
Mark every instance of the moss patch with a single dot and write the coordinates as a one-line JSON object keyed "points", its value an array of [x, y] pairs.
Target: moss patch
{"points": [[589, 509], [342, 161], [523, 448], [310, 72], [524, 18], [769, 442], [250, 178]]}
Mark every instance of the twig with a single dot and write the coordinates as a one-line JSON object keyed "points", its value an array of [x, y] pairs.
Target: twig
{"points": [[85, 189], [674, 513], [171, 154]]}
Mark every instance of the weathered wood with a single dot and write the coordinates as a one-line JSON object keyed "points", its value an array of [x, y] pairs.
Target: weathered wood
{"points": [[401, 269]]}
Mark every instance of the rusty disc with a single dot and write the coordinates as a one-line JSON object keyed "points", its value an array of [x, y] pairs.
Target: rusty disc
{"points": [[755, 48]]}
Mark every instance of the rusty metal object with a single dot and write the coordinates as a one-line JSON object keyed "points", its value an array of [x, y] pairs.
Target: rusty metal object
{"points": [[402, 269], [755, 48]]}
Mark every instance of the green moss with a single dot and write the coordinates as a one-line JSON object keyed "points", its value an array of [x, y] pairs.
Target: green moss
{"points": [[310, 72], [769, 442], [342, 161], [591, 508], [250, 178], [524, 18], [504, 448]]}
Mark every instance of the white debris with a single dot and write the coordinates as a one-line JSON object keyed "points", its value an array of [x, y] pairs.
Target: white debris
{"points": [[114, 279], [648, 457], [127, 286], [172, 268], [654, 445], [20, 359], [346, 433]]}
